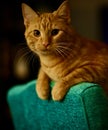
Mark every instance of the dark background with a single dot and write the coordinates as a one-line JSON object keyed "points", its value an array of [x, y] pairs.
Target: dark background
{"points": [[12, 40]]}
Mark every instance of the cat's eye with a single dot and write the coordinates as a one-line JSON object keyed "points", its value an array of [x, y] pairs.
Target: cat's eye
{"points": [[54, 32], [36, 33]]}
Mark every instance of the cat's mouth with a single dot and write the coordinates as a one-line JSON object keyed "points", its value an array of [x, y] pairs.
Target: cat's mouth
{"points": [[44, 51]]}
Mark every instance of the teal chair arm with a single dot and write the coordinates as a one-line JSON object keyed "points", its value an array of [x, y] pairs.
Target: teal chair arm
{"points": [[85, 107]]}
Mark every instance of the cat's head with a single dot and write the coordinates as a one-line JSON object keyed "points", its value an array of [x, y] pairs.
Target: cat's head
{"points": [[48, 32]]}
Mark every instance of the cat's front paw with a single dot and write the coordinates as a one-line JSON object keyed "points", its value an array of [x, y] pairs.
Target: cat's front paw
{"points": [[43, 91], [58, 93]]}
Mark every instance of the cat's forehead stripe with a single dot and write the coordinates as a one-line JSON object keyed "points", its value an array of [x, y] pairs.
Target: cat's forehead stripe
{"points": [[45, 21]]}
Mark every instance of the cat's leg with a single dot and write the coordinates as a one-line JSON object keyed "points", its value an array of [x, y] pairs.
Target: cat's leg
{"points": [[79, 75], [59, 90], [42, 86]]}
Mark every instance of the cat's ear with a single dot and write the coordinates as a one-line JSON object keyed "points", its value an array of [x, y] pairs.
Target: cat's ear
{"points": [[28, 14], [64, 11]]}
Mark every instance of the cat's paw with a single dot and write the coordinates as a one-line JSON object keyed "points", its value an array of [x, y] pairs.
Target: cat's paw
{"points": [[58, 93], [43, 91]]}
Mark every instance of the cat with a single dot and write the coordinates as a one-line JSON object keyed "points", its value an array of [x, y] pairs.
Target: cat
{"points": [[65, 56]]}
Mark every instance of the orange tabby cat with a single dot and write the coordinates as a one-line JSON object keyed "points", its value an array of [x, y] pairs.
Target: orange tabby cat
{"points": [[65, 56]]}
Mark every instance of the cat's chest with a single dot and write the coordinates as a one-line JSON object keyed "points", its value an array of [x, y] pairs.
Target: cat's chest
{"points": [[55, 67], [55, 73]]}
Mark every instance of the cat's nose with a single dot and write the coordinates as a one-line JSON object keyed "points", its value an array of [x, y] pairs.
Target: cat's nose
{"points": [[45, 44]]}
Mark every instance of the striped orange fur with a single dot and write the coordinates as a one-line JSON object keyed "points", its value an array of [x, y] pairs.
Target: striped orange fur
{"points": [[66, 57]]}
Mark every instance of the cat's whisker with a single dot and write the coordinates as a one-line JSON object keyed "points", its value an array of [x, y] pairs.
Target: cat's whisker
{"points": [[23, 57], [22, 52], [21, 48], [65, 47], [68, 51], [64, 53], [59, 52], [64, 50]]}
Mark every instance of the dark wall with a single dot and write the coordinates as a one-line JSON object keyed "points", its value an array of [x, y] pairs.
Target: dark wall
{"points": [[104, 23]]}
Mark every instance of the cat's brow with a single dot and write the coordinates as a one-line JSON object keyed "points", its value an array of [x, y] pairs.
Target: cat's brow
{"points": [[45, 21]]}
